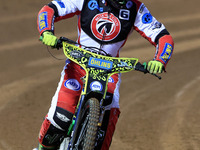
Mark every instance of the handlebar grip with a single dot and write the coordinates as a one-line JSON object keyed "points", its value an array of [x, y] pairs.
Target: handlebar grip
{"points": [[67, 40], [58, 44], [143, 68]]}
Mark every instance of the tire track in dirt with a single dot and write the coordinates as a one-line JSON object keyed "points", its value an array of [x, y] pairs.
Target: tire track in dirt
{"points": [[184, 101], [4, 145], [180, 47], [14, 18], [11, 91], [180, 19], [29, 43]]}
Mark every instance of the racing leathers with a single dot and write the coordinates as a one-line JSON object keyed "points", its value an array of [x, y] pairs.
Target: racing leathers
{"points": [[103, 26]]}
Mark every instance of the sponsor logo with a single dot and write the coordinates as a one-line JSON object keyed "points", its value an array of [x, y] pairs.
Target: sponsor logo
{"points": [[43, 21], [142, 8], [129, 4], [100, 63], [94, 5], [76, 54], [166, 54], [96, 86], [62, 117], [111, 80], [147, 18], [124, 64], [62, 5], [105, 27], [157, 25], [72, 84], [124, 14]]}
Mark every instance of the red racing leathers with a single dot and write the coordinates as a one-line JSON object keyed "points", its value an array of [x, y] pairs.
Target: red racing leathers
{"points": [[99, 25]]}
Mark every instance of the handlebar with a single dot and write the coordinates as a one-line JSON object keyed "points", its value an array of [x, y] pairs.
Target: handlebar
{"points": [[138, 67], [142, 68], [64, 39], [59, 42]]}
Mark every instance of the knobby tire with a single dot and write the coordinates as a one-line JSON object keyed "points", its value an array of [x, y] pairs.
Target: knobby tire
{"points": [[87, 126]]}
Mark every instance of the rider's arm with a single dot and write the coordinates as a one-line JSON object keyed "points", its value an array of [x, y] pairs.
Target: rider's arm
{"points": [[156, 33], [164, 48], [55, 11]]}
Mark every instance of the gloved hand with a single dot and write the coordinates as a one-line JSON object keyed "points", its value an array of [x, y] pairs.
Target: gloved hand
{"points": [[155, 66], [49, 39]]}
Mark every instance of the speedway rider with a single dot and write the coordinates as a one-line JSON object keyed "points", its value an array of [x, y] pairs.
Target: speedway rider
{"points": [[104, 24]]}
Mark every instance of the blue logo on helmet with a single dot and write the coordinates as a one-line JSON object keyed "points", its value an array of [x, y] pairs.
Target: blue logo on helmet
{"points": [[72, 84]]}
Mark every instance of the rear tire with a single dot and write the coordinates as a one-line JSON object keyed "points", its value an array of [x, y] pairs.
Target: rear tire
{"points": [[87, 126]]}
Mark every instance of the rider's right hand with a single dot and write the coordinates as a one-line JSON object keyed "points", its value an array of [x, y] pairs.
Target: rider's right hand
{"points": [[49, 39], [155, 67]]}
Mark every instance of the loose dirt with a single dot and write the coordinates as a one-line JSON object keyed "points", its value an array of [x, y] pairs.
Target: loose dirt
{"points": [[155, 115]]}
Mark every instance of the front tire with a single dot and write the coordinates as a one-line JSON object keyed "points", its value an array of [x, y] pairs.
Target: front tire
{"points": [[87, 126]]}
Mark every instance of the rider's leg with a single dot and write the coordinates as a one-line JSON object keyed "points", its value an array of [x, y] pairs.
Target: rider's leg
{"points": [[63, 105], [106, 132], [111, 115], [49, 136]]}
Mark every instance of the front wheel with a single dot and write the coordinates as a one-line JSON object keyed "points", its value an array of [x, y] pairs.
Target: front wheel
{"points": [[87, 126]]}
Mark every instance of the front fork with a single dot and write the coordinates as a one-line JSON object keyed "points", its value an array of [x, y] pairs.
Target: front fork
{"points": [[73, 124], [71, 127]]}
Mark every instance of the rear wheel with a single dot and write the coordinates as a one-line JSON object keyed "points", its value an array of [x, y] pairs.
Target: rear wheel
{"points": [[87, 126]]}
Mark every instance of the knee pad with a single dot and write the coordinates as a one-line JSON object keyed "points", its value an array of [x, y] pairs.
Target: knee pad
{"points": [[62, 118], [50, 135]]}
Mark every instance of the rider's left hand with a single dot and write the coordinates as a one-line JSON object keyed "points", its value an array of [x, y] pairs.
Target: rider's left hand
{"points": [[155, 67]]}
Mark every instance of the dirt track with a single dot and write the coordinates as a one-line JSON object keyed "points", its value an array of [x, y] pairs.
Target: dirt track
{"points": [[155, 115]]}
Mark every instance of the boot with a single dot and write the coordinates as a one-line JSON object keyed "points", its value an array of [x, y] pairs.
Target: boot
{"points": [[40, 147]]}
